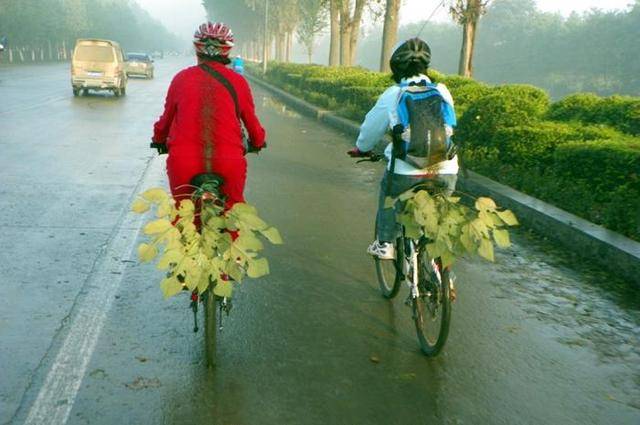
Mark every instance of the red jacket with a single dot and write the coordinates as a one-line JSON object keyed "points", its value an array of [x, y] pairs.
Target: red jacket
{"points": [[200, 118], [202, 131]]}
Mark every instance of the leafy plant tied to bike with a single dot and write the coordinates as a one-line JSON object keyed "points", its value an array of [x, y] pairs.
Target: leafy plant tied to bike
{"points": [[452, 228], [209, 258]]}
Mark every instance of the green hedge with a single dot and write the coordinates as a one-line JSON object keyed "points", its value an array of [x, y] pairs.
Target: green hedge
{"points": [[534, 145], [578, 153], [597, 180], [621, 112], [605, 176], [503, 106]]}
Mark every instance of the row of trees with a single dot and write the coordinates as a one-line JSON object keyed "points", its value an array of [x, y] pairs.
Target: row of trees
{"points": [[597, 51], [48, 26], [307, 19]]}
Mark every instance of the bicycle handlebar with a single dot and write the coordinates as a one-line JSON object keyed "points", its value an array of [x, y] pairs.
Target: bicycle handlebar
{"points": [[163, 149], [373, 157]]}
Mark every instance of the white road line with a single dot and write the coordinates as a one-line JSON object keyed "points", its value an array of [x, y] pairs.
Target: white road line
{"points": [[58, 393]]}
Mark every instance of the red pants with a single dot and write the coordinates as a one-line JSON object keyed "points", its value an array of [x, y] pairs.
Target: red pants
{"points": [[181, 170]]}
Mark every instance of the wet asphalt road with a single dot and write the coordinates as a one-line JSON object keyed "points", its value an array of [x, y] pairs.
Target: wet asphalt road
{"points": [[536, 338]]}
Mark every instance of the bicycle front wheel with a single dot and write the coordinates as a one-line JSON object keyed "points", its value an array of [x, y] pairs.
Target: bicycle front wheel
{"points": [[432, 308], [389, 272], [210, 327]]}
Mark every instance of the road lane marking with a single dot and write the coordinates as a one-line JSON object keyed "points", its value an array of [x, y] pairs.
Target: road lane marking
{"points": [[58, 393]]}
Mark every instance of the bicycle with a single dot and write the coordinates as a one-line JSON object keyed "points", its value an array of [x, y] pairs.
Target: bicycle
{"points": [[206, 190], [431, 287]]}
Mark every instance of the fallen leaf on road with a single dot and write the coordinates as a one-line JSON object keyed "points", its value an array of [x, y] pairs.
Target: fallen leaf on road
{"points": [[98, 373], [141, 383]]}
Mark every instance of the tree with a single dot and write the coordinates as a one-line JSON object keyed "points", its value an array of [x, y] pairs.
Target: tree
{"points": [[467, 13], [389, 33], [313, 19], [51, 25], [284, 19], [334, 43], [350, 29]]}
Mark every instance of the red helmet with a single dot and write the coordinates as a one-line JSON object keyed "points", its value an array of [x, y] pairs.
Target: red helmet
{"points": [[213, 39]]}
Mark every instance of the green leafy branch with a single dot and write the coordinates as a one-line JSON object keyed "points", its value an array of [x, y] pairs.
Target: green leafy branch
{"points": [[452, 228], [210, 258]]}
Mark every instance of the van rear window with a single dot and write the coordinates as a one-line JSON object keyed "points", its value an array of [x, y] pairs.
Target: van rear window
{"points": [[94, 54]]}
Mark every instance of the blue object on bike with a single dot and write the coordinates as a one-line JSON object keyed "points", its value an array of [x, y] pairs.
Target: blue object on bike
{"points": [[238, 65]]}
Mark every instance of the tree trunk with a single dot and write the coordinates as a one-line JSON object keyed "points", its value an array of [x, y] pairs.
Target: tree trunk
{"points": [[389, 33], [290, 46], [345, 33], [470, 18], [334, 46], [279, 46], [465, 67], [284, 40], [355, 31]]}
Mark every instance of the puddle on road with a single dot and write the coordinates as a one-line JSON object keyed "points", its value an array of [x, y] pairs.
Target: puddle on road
{"points": [[594, 309], [602, 309], [269, 102]]}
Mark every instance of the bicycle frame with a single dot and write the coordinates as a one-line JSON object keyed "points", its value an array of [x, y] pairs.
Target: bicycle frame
{"points": [[430, 286]]}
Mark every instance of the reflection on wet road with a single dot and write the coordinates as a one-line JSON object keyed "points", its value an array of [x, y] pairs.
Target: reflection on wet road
{"points": [[538, 337]]}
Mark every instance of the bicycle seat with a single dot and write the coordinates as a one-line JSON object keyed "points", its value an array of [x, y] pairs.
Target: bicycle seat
{"points": [[207, 181]]}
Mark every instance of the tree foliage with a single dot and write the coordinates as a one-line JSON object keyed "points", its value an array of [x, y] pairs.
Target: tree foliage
{"points": [[313, 20], [38, 23], [596, 51]]}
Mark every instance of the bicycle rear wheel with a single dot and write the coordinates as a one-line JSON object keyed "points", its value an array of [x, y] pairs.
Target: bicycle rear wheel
{"points": [[210, 327], [389, 272], [432, 309]]}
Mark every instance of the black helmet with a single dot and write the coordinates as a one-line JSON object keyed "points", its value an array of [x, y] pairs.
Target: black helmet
{"points": [[413, 54]]}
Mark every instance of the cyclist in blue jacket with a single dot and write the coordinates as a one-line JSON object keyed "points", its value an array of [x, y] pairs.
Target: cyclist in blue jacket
{"points": [[409, 64], [238, 64]]}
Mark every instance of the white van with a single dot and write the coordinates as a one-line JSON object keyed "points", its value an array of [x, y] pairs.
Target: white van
{"points": [[98, 65]]}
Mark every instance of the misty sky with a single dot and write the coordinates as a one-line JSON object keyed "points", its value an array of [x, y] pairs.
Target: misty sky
{"points": [[182, 16]]}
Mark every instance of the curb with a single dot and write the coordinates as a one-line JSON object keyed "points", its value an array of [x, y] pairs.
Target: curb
{"points": [[608, 249]]}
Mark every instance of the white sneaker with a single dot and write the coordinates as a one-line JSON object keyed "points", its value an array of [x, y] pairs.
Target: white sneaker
{"points": [[382, 250]]}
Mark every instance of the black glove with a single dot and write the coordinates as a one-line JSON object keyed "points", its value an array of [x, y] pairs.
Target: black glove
{"points": [[161, 147], [255, 149]]}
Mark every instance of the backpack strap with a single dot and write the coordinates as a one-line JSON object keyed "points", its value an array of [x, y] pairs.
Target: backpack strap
{"points": [[222, 80]]}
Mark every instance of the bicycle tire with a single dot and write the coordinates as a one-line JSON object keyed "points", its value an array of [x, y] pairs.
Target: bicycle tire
{"points": [[424, 306], [387, 270], [210, 327]]}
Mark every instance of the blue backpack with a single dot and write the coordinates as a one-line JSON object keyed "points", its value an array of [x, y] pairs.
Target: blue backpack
{"points": [[423, 110]]}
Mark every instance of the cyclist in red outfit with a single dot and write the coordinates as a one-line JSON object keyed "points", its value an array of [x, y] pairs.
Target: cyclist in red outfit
{"points": [[200, 124]]}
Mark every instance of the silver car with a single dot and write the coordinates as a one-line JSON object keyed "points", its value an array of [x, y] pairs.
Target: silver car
{"points": [[139, 64]]}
